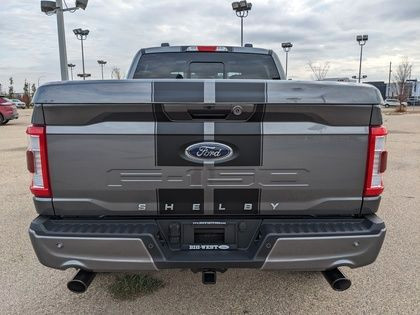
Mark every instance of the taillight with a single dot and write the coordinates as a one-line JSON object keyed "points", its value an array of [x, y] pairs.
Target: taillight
{"points": [[376, 162], [207, 48], [37, 161]]}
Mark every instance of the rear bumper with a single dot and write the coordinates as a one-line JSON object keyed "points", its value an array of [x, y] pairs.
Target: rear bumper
{"points": [[273, 244]]}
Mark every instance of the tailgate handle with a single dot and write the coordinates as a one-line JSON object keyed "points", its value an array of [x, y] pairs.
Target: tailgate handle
{"points": [[208, 114]]}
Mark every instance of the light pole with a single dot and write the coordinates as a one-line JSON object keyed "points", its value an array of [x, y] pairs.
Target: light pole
{"points": [[56, 7], [242, 9], [286, 47], [82, 35], [389, 79], [102, 63], [361, 39], [71, 66]]}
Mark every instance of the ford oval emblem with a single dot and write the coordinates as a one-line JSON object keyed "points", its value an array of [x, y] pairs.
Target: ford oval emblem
{"points": [[208, 151]]}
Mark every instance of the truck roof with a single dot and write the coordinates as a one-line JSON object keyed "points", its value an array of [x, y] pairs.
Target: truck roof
{"points": [[232, 49]]}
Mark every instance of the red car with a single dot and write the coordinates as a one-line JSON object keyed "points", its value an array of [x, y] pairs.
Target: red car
{"points": [[8, 111]]}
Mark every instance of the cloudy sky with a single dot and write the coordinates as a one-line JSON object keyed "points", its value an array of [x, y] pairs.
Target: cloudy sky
{"points": [[321, 31]]}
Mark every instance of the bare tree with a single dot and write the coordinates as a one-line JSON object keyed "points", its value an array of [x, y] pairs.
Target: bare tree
{"points": [[33, 89], [11, 89], [116, 73], [26, 97], [319, 70], [401, 76]]}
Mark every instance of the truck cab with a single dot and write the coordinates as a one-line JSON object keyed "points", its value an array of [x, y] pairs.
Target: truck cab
{"points": [[205, 62]]}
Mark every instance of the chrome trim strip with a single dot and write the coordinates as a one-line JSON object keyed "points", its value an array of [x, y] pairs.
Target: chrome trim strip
{"points": [[148, 128], [310, 128], [107, 128]]}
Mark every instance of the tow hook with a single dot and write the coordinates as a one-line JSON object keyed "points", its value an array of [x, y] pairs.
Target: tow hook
{"points": [[337, 280], [81, 281]]}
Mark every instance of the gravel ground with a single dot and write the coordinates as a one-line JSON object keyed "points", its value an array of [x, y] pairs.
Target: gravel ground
{"points": [[389, 286]]}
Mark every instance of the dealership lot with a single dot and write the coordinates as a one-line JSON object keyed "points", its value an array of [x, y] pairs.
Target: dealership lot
{"points": [[391, 285]]}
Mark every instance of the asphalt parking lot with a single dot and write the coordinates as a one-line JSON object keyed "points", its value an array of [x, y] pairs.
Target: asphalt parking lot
{"points": [[389, 286]]}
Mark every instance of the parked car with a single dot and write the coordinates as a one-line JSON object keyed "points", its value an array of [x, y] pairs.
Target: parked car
{"points": [[175, 168], [393, 102], [8, 111], [413, 101], [17, 102]]}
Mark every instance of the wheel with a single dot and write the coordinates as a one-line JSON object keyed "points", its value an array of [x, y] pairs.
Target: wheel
{"points": [[6, 121], [386, 105], [2, 120]]}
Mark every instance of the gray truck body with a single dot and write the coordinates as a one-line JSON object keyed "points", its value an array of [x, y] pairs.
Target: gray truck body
{"points": [[127, 194]]}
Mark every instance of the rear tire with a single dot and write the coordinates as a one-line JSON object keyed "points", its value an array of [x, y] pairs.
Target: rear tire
{"points": [[386, 105], [2, 120], [5, 121]]}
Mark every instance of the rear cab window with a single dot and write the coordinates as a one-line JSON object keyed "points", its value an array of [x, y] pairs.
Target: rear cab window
{"points": [[204, 65]]}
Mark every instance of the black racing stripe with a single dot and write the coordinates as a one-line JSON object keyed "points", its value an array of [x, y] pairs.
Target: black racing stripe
{"points": [[181, 201], [172, 138], [245, 139], [236, 201], [178, 92], [246, 92]]}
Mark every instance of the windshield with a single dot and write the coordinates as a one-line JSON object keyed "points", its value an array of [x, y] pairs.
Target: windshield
{"points": [[202, 65]]}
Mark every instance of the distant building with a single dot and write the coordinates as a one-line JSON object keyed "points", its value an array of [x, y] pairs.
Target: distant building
{"points": [[415, 87]]}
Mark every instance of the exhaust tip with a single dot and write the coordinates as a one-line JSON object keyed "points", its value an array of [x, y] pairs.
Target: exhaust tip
{"points": [[81, 281], [337, 280], [76, 286], [341, 284]]}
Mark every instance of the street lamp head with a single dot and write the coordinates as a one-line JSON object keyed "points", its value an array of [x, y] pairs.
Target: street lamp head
{"points": [[82, 4], [81, 34], [77, 31], [102, 62], [71, 65], [286, 46], [362, 39], [48, 7], [241, 6]]}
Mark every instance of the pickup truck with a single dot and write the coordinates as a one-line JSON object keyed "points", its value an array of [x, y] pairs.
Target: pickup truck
{"points": [[206, 158]]}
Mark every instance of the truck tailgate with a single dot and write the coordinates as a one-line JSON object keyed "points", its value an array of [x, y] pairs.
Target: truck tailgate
{"points": [[170, 147]]}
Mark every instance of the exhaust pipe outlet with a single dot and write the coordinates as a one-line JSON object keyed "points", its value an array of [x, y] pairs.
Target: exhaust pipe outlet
{"points": [[209, 277], [81, 281], [337, 280]]}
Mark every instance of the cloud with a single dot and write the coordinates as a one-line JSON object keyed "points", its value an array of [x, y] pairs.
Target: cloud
{"points": [[322, 30]]}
